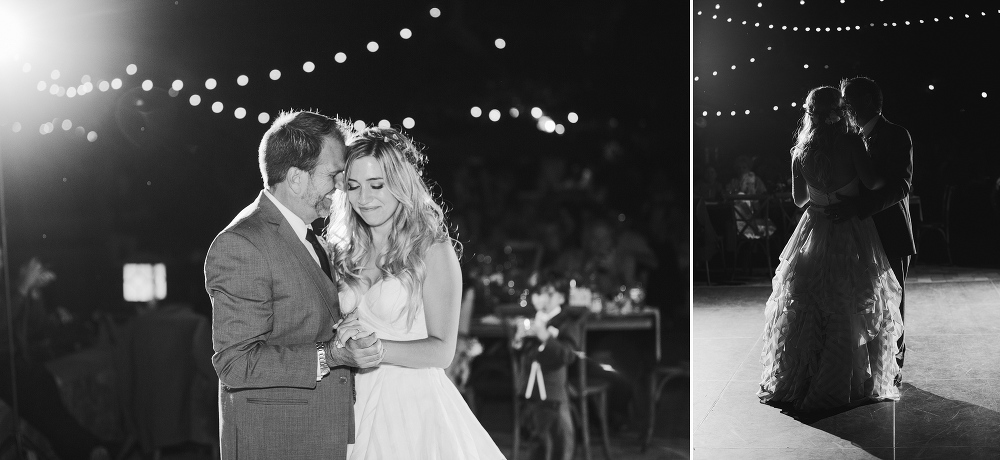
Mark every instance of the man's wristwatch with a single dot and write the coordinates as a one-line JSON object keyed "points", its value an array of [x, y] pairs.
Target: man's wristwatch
{"points": [[324, 368]]}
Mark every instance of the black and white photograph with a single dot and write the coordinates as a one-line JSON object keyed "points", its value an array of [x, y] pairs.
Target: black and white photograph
{"points": [[351, 230], [845, 218]]}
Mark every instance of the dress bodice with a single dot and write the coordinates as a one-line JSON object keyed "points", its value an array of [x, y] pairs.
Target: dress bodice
{"points": [[820, 198], [381, 310]]}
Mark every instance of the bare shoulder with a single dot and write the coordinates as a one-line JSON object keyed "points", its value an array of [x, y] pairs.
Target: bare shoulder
{"points": [[441, 255]]}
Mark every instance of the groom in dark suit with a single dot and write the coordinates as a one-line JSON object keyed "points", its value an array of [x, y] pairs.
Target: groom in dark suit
{"points": [[891, 151], [285, 392]]}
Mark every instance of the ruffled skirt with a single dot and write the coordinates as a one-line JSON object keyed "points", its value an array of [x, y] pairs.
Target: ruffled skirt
{"points": [[833, 318]]}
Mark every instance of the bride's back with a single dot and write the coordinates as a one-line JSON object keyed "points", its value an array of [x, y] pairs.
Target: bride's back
{"points": [[830, 165]]}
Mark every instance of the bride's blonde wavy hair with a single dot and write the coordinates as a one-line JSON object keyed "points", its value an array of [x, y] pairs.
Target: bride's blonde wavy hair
{"points": [[824, 119], [418, 223]]}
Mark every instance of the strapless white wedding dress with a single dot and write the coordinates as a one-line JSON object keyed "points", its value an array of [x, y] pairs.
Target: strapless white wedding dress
{"points": [[833, 318], [406, 413]]}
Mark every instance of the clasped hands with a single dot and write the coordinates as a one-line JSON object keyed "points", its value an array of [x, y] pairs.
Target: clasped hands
{"points": [[359, 347], [843, 210]]}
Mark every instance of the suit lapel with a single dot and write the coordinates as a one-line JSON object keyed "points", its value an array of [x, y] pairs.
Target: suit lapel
{"points": [[294, 246]]}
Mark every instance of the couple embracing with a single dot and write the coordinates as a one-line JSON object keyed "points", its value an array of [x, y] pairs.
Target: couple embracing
{"points": [[833, 336], [332, 347]]}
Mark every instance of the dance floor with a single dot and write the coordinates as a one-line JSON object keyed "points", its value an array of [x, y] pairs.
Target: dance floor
{"points": [[950, 406]]}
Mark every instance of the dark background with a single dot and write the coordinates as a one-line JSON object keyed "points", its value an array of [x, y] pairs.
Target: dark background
{"points": [[164, 177], [953, 126]]}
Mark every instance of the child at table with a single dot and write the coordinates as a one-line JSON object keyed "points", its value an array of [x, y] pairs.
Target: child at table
{"points": [[548, 344]]}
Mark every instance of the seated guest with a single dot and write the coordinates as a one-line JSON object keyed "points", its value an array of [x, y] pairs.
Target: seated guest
{"points": [[40, 402], [548, 344], [709, 188], [608, 257]]}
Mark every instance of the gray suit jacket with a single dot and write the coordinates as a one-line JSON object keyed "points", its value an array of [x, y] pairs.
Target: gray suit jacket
{"points": [[271, 303]]}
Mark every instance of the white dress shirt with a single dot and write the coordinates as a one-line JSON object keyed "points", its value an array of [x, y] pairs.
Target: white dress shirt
{"points": [[299, 226]]}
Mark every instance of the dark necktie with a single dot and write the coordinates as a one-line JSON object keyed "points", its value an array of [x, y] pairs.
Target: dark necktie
{"points": [[324, 259]]}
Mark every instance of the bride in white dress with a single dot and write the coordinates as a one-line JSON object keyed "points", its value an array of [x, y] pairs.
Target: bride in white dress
{"points": [[399, 276]]}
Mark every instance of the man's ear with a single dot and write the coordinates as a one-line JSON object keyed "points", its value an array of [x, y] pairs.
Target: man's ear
{"points": [[296, 179]]}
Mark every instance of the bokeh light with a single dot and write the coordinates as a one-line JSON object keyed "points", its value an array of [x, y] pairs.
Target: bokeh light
{"points": [[92, 136], [546, 124], [340, 58], [384, 124], [42, 85], [476, 112], [494, 115], [409, 123], [16, 127], [435, 12], [358, 125], [131, 69], [572, 117], [217, 107], [26, 67], [372, 46], [500, 43], [242, 80], [560, 128], [85, 79], [147, 85], [536, 112], [71, 92], [54, 75], [240, 113], [195, 99], [67, 125], [275, 74], [308, 66], [116, 83], [177, 85], [514, 113], [405, 33], [53, 89], [210, 84], [263, 117]]}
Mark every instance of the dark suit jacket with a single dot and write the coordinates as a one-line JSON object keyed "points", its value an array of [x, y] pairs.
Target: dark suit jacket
{"points": [[891, 152], [271, 303], [554, 360]]}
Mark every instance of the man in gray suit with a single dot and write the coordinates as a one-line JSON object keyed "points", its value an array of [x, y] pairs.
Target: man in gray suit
{"points": [[285, 390]]}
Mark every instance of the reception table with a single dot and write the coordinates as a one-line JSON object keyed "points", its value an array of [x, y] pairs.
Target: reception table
{"points": [[647, 319]]}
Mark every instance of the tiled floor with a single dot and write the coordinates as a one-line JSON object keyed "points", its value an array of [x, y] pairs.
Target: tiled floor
{"points": [[950, 406]]}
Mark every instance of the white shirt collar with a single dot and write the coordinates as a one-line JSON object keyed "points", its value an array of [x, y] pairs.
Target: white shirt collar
{"points": [[868, 127], [298, 225]]}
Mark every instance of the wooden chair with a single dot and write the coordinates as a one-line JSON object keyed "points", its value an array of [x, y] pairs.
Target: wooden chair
{"points": [[596, 391], [658, 378], [941, 226], [753, 228]]}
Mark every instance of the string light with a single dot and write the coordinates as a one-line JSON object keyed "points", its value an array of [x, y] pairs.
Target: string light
{"points": [[309, 66], [340, 58], [242, 80], [275, 74], [405, 33], [263, 118], [408, 123], [838, 28], [372, 46]]}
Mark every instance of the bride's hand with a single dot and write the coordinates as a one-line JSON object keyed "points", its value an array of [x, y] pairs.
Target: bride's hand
{"points": [[348, 328]]}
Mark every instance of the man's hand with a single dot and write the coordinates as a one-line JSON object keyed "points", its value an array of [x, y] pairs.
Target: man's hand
{"points": [[361, 353], [844, 210]]}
